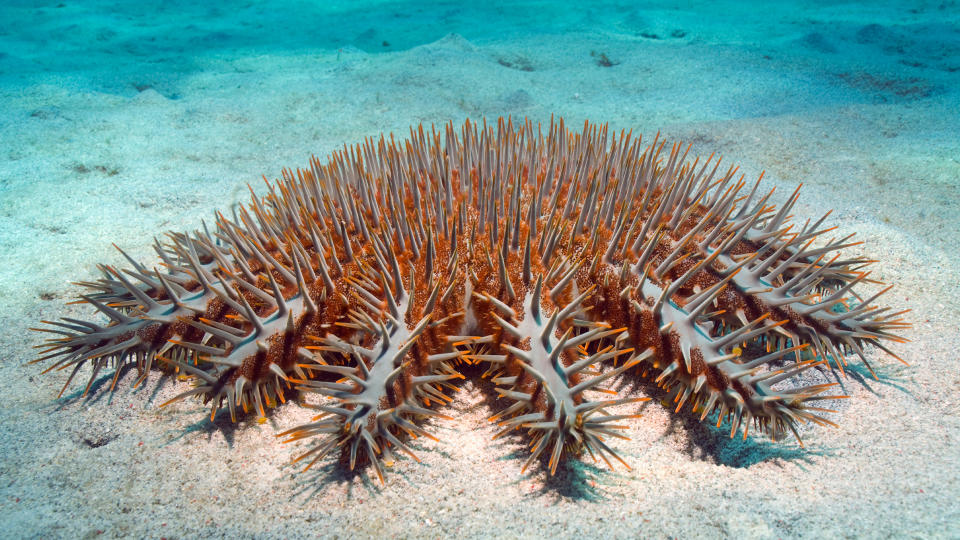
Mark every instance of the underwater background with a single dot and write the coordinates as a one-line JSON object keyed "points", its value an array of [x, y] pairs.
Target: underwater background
{"points": [[121, 120]]}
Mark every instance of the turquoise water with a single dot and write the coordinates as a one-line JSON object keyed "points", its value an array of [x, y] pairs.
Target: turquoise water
{"points": [[854, 51]]}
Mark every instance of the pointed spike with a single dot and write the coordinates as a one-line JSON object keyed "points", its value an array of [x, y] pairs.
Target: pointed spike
{"points": [[504, 278]]}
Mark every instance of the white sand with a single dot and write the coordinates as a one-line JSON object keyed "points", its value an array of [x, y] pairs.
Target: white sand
{"points": [[86, 159]]}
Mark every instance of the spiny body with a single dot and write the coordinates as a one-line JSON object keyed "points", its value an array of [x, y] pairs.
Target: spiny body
{"points": [[544, 255]]}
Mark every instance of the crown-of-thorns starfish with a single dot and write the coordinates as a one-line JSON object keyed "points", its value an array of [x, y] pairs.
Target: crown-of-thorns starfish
{"points": [[558, 259]]}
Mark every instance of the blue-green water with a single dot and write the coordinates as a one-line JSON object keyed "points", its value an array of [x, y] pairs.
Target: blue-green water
{"points": [[904, 49]]}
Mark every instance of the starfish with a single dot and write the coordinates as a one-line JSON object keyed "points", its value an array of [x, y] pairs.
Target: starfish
{"points": [[557, 260]]}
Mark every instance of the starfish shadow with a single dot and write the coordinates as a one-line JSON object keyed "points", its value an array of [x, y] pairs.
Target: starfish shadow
{"points": [[326, 475], [221, 423], [100, 389], [886, 375], [704, 440], [575, 479]]}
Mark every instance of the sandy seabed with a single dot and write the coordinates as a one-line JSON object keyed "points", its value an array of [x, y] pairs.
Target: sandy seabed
{"points": [[859, 105]]}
